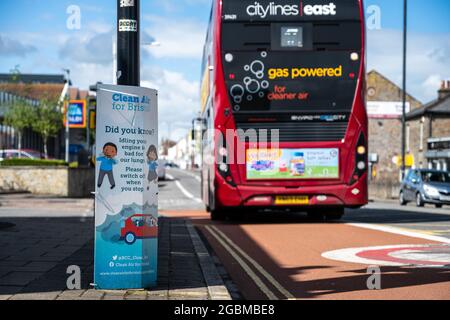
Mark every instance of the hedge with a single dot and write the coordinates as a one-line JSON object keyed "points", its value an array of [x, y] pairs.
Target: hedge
{"points": [[32, 162]]}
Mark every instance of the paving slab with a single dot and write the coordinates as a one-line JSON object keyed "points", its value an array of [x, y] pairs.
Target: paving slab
{"points": [[34, 261]]}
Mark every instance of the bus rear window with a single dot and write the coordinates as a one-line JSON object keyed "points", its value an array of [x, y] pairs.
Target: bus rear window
{"points": [[315, 36]]}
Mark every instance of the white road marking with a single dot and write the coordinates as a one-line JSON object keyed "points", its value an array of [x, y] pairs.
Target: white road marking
{"points": [[400, 231], [244, 266], [258, 267], [349, 255], [183, 189], [196, 177]]}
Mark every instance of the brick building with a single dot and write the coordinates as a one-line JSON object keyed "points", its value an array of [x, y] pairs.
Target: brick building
{"points": [[384, 106], [428, 128]]}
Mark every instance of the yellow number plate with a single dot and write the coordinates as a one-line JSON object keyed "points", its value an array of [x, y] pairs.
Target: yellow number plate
{"points": [[294, 200]]}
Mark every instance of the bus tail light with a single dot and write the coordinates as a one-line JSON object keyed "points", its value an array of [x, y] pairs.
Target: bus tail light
{"points": [[360, 159], [223, 165]]}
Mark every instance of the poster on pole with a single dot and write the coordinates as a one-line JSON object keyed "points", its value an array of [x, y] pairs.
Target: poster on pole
{"points": [[126, 208]]}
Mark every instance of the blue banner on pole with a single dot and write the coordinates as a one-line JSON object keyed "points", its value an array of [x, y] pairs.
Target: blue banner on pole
{"points": [[126, 209]]}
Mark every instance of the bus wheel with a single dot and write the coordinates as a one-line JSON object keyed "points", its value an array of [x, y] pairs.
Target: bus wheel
{"points": [[217, 215], [334, 214]]}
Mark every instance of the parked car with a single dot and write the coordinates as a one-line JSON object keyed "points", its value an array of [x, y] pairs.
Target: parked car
{"points": [[426, 186], [171, 165], [161, 169], [138, 226], [22, 153]]}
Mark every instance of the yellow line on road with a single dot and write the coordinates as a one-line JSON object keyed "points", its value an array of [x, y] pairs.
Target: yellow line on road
{"points": [[258, 267], [244, 266]]}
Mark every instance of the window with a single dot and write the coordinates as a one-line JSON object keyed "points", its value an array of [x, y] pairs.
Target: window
{"points": [[421, 135], [408, 135], [434, 176]]}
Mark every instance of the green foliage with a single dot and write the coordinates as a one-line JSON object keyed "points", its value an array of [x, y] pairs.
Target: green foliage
{"points": [[73, 164], [19, 115], [47, 119], [15, 74], [31, 162]]}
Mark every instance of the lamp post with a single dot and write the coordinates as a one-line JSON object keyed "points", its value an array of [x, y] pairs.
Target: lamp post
{"points": [[67, 137], [404, 88], [128, 38]]}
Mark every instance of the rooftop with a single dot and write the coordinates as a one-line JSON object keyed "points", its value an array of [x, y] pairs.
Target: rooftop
{"points": [[32, 78], [439, 107]]}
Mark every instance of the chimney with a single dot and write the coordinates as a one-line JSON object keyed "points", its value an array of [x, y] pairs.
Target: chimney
{"points": [[444, 91]]}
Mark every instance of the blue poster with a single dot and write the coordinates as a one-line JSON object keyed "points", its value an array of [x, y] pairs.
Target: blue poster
{"points": [[126, 208]]}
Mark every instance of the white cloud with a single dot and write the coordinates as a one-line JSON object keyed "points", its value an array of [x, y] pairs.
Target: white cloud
{"points": [[178, 5], [183, 39], [95, 49], [86, 74], [427, 59], [432, 84], [12, 47], [99, 27], [178, 100]]}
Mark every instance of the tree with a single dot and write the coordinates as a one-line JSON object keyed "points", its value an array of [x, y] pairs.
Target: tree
{"points": [[47, 120], [15, 74], [166, 144], [20, 116]]}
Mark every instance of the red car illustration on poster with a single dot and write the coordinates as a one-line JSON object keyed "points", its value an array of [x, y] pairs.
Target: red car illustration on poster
{"points": [[138, 226]]}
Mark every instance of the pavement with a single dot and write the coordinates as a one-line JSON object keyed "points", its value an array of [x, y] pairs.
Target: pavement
{"points": [[40, 237]]}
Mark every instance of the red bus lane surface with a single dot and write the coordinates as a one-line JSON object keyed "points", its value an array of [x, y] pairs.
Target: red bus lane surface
{"points": [[270, 258]]}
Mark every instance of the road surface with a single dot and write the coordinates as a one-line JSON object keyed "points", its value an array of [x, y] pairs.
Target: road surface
{"points": [[287, 256]]}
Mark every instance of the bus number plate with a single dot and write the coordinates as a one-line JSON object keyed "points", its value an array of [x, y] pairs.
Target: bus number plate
{"points": [[292, 200]]}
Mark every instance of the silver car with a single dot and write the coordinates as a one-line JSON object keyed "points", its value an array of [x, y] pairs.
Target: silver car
{"points": [[426, 186], [161, 169], [22, 154]]}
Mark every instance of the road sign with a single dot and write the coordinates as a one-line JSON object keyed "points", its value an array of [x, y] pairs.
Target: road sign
{"points": [[126, 208], [428, 255], [409, 160], [76, 113], [386, 109]]}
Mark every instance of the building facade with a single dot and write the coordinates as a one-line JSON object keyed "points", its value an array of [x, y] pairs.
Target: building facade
{"points": [[428, 131], [384, 106]]}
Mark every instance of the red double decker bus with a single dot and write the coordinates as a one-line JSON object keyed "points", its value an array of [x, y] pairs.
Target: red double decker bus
{"points": [[288, 79]]}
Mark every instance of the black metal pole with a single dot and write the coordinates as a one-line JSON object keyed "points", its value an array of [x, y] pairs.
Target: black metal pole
{"points": [[128, 42], [404, 88]]}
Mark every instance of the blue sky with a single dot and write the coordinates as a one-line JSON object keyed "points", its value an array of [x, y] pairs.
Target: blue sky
{"points": [[33, 34]]}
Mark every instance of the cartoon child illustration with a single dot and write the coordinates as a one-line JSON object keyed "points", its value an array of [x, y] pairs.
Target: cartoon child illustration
{"points": [[107, 162], [152, 156]]}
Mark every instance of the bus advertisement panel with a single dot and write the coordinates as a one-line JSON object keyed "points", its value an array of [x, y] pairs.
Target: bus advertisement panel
{"points": [[292, 163]]}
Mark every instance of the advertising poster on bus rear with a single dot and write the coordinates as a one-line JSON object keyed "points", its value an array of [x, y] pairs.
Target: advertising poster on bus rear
{"points": [[126, 208], [293, 163]]}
